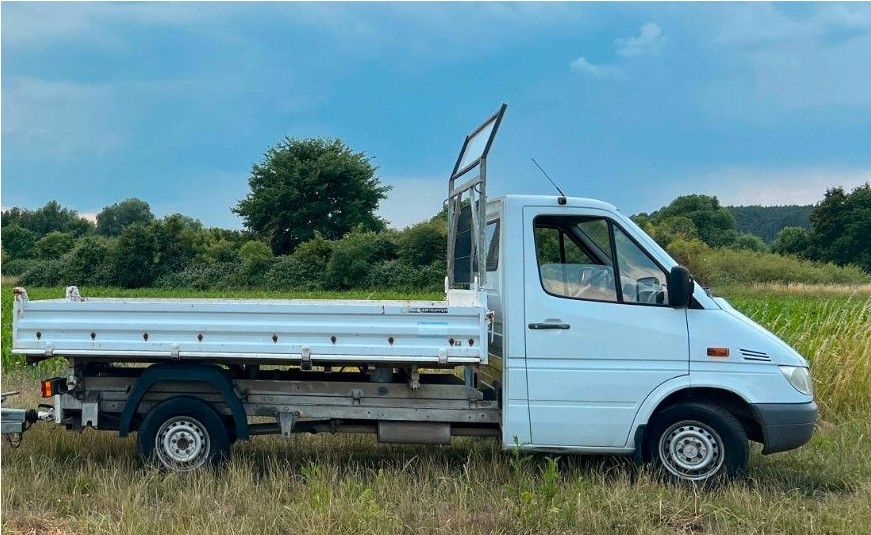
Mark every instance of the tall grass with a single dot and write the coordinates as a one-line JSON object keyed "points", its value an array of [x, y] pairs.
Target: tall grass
{"points": [[93, 483]]}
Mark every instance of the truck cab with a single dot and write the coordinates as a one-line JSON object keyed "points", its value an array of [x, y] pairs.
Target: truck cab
{"points": [[596, 356]]}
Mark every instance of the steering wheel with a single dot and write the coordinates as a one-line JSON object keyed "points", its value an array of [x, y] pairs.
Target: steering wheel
{"points": [[602, 279]]}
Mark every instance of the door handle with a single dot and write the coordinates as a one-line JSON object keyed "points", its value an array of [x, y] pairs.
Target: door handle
{"points": [[542, 326]]}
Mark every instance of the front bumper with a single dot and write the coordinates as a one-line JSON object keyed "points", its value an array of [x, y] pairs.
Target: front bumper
{"points": [[785, 426]]}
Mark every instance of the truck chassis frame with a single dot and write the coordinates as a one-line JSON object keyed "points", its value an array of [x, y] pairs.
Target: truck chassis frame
{"points": [[399, 405]]}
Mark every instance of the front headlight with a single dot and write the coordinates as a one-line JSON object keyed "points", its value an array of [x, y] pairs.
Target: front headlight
{"points": [[799, 378]]}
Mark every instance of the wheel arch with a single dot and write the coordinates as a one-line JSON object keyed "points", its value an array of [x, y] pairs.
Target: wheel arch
{"points": [[680, 390], [192, 373]]}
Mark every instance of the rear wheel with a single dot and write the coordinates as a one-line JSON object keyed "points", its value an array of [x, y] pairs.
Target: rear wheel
{"points": [[182, 434], [698, 442]]}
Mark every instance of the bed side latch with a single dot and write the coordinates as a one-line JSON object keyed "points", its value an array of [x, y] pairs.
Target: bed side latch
{"points": [[306, 358]]}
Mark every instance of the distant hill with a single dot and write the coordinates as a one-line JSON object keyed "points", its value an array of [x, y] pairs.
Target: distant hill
{"points": [[766, 221]]}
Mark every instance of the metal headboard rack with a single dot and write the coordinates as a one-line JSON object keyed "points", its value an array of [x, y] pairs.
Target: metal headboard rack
{"points": [[467, 206]]}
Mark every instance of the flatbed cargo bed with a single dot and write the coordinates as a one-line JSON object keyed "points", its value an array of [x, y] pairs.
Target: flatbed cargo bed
{"points": [[452, 332]]}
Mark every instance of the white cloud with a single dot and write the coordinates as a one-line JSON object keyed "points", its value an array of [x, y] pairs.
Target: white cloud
{"points": [[581, 64], [649, 40]]}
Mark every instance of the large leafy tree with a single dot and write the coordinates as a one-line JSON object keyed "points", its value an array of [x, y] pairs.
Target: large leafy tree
{"points": [[304, 186], [112, 220], [841, 227]]}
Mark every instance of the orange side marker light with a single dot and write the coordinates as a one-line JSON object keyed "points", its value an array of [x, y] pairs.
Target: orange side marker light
{"points": [[718, 351]]}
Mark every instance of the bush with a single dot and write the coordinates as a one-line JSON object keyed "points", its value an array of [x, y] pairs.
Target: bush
{"points": [[749, 242], [717, 267], [672, 228], [44, 273], [218, 250], [255, 255], [54, 245], [353, 256], [289, 273], [18, 266], [90, 262], [18, 242], [398, 275], [422, 244], [201, 276]]}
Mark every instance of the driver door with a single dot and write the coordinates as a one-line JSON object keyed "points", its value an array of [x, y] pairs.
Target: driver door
{"points": [[599, 336]]}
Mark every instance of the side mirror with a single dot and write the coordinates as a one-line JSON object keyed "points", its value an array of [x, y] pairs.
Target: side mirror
{"points": [[680, 287]]}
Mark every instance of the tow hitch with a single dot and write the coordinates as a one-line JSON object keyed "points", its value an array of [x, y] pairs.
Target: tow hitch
{"points": [[16, 421]]}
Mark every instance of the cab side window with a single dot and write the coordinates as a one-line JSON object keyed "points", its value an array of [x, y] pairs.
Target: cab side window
{"points": [[492, 245], [592, 258], [568, 268]]}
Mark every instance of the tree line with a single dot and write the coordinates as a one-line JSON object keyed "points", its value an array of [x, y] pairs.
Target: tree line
{"points": [[839, 232], [311, 223]]}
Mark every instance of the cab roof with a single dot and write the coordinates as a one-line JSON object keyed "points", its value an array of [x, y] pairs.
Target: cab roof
{"points": [[552, 200]]}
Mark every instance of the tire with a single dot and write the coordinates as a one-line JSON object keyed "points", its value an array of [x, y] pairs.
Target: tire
{"points": [[182, 434], [698, 442]]}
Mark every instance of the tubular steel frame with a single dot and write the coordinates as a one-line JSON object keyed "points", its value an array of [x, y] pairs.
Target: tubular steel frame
{"points": [[473, 191]]}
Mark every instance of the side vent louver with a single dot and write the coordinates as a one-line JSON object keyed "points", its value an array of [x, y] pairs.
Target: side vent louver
{"points": [[758, 356]]}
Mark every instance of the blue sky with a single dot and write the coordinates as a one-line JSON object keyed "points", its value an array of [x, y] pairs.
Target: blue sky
{"points": [[629, 103]]}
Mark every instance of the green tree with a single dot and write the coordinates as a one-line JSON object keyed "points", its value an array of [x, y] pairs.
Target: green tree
{"points": [[112, 220], [673, 227], [795, 241], [841, 227], [136, 256], [715, 225], [304, 186], [88, 262], [54, 245], [50, 218], [18, 242], [179, 239]]}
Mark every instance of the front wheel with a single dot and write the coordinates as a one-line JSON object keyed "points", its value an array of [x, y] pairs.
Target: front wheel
{"points": [[698, 442], [182, 434]]}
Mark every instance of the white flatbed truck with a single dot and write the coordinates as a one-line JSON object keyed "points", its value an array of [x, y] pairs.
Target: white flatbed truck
{"points": [[574, 331]]}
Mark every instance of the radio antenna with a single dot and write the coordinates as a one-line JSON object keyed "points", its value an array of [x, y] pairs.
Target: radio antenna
{"points": [[548, 177]]}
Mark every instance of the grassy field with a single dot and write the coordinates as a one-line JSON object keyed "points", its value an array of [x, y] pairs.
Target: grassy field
{"points": [[59, 482]]}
